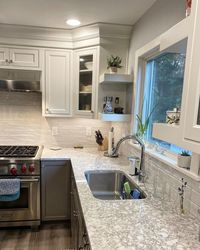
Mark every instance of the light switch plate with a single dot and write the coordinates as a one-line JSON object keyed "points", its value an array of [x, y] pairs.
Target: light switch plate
{"points": [[54, 131]]}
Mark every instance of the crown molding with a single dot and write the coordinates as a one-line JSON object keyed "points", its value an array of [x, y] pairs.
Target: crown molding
{"points": [[62, 38]]}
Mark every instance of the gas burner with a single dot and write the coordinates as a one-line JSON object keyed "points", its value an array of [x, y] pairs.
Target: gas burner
{"points": [[18, 151]]}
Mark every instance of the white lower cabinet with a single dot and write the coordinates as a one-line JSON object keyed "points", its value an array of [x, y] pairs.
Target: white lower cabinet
{"points": [[57, 90]]}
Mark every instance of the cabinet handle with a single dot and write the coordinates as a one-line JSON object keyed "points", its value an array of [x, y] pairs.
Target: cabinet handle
{"points": [[75, 214], [48, 110], [92, 111], [7, 61], [11, 61]]}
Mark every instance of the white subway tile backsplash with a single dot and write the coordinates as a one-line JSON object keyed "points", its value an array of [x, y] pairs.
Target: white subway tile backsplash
{"points": [[21, 122]]}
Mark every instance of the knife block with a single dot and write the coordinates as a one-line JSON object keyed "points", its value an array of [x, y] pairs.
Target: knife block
{"points": [[104, 146]]}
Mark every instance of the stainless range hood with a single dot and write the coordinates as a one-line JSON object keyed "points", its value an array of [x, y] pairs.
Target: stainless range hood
{"points": [[20, 80]]}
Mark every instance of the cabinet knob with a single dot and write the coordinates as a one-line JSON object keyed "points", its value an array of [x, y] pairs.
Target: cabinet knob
{"points": [[48, 111], [11, 61], [92, 111], [7, 61]]}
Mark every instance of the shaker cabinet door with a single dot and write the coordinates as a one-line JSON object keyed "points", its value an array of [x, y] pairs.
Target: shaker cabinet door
{"points": [[57, 83]]}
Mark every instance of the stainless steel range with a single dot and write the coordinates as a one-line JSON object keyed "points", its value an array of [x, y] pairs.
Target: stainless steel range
{"points": [[21, 162]]}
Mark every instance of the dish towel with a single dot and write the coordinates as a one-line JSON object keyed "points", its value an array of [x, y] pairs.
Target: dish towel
{"points": [[9, 189]]}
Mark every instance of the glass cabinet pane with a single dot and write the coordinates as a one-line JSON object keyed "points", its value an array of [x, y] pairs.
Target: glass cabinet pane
{"points": [[85, 82]]}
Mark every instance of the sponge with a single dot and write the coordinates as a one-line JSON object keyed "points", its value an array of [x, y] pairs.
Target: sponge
{"points": [[127, 188]]}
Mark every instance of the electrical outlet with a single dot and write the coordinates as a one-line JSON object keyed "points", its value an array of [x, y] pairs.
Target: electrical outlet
{"points": [[54, 131], [88, 131]]}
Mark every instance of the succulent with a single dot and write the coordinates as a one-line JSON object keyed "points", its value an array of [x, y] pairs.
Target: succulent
{"points": [[185, 153], [114, 61]]}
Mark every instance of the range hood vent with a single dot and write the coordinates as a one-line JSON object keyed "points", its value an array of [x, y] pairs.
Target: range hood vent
{"points": [[20, 80]]}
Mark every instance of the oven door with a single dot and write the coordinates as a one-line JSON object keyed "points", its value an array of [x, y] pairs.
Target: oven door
{"points": [[27, 207]]}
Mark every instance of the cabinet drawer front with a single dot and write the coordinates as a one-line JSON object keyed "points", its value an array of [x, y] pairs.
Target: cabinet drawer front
{"points": [[24, 57]]}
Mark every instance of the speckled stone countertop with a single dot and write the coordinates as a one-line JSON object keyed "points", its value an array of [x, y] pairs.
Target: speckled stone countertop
{"points": [[131, 224]]}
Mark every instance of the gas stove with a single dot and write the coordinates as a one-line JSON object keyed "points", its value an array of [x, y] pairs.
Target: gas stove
{"points": [[20, 160]]}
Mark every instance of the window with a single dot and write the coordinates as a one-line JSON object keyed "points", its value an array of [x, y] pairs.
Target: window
{"points": [[162, 90]]}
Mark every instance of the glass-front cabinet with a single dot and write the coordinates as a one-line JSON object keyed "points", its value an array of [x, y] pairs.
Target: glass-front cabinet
{"points": [[86, 76]]}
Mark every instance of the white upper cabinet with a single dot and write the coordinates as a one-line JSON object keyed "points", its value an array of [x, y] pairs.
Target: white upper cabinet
{"points": [[192, 113], [19, 57], [57, 90], [85, 81]]}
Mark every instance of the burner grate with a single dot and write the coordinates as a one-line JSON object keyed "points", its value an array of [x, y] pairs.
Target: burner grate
{"points": [[18, 151]]}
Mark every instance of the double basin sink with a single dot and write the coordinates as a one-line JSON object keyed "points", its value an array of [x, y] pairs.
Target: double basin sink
{"points": [[109, 184]]}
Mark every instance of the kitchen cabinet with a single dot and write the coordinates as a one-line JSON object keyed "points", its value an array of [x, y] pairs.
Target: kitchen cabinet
{"points": [[78, 229], [85, 79], [57, 90], [55, 186], [21, 57], [192, 117]]}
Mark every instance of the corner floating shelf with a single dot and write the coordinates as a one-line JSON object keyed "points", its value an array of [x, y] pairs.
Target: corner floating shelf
{"points": [[115, 117], [116, 78]]}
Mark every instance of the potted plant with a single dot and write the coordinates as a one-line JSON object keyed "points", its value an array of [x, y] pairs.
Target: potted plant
{"points": [[114, 63], [143, 123], [184, 159]]}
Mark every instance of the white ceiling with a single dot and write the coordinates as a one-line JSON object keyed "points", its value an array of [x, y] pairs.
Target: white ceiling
{"points": [[53, 13]]}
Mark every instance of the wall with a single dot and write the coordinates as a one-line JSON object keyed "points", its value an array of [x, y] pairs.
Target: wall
{"points": [[158, 19], [21, 122], [165, 180]]}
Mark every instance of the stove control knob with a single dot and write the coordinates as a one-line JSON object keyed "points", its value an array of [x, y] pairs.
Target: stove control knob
{"points": [[13, 170], [23, 168], [31, 168]]}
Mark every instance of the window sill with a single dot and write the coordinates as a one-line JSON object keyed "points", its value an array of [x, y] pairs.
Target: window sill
{"points": [[169, 160]]}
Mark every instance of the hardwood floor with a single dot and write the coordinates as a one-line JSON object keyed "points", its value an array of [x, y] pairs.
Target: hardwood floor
{"points": [[49, 237]]}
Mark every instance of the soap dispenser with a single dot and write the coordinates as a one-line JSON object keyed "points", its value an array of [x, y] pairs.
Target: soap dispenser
{"points": [[134, 165]]}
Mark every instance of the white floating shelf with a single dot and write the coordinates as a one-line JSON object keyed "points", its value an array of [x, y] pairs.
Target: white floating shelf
{"points": [[166, 132], [115, 117], [116, 78]]}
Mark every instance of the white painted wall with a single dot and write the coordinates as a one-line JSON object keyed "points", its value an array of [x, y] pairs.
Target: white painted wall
{"points": [[158, 19]]}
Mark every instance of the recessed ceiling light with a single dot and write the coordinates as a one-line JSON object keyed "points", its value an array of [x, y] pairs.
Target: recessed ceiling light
{"points": [[73, 22]]}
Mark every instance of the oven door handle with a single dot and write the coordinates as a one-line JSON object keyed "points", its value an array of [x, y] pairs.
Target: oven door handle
{"points": [[29, 180]]}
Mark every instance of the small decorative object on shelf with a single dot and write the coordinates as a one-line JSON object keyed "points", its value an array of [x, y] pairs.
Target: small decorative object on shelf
{"points": [[173, 116], [184, 159], [188, 7], [114, 63], [117, 108], [108, 109], [181, 191]]}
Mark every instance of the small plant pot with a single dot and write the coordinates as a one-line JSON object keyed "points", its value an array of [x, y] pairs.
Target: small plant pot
{"points": [[184, 161], [113, 70]]}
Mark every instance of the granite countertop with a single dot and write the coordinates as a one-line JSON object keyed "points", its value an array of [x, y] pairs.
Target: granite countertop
{"points": [[131, 224]]}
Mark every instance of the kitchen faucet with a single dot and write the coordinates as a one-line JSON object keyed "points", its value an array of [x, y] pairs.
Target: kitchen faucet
{"points": [[142, 157]]}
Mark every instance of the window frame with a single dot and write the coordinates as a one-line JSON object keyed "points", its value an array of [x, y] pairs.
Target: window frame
{"points": [[142, 55]]}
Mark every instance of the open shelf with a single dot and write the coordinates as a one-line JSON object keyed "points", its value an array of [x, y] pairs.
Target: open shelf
{"points": [[115, 117], [85, 71], [85, 92], [116, 78]]}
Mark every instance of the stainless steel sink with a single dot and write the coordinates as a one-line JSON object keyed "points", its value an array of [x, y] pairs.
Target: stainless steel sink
{"points": [[109, 184]]}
